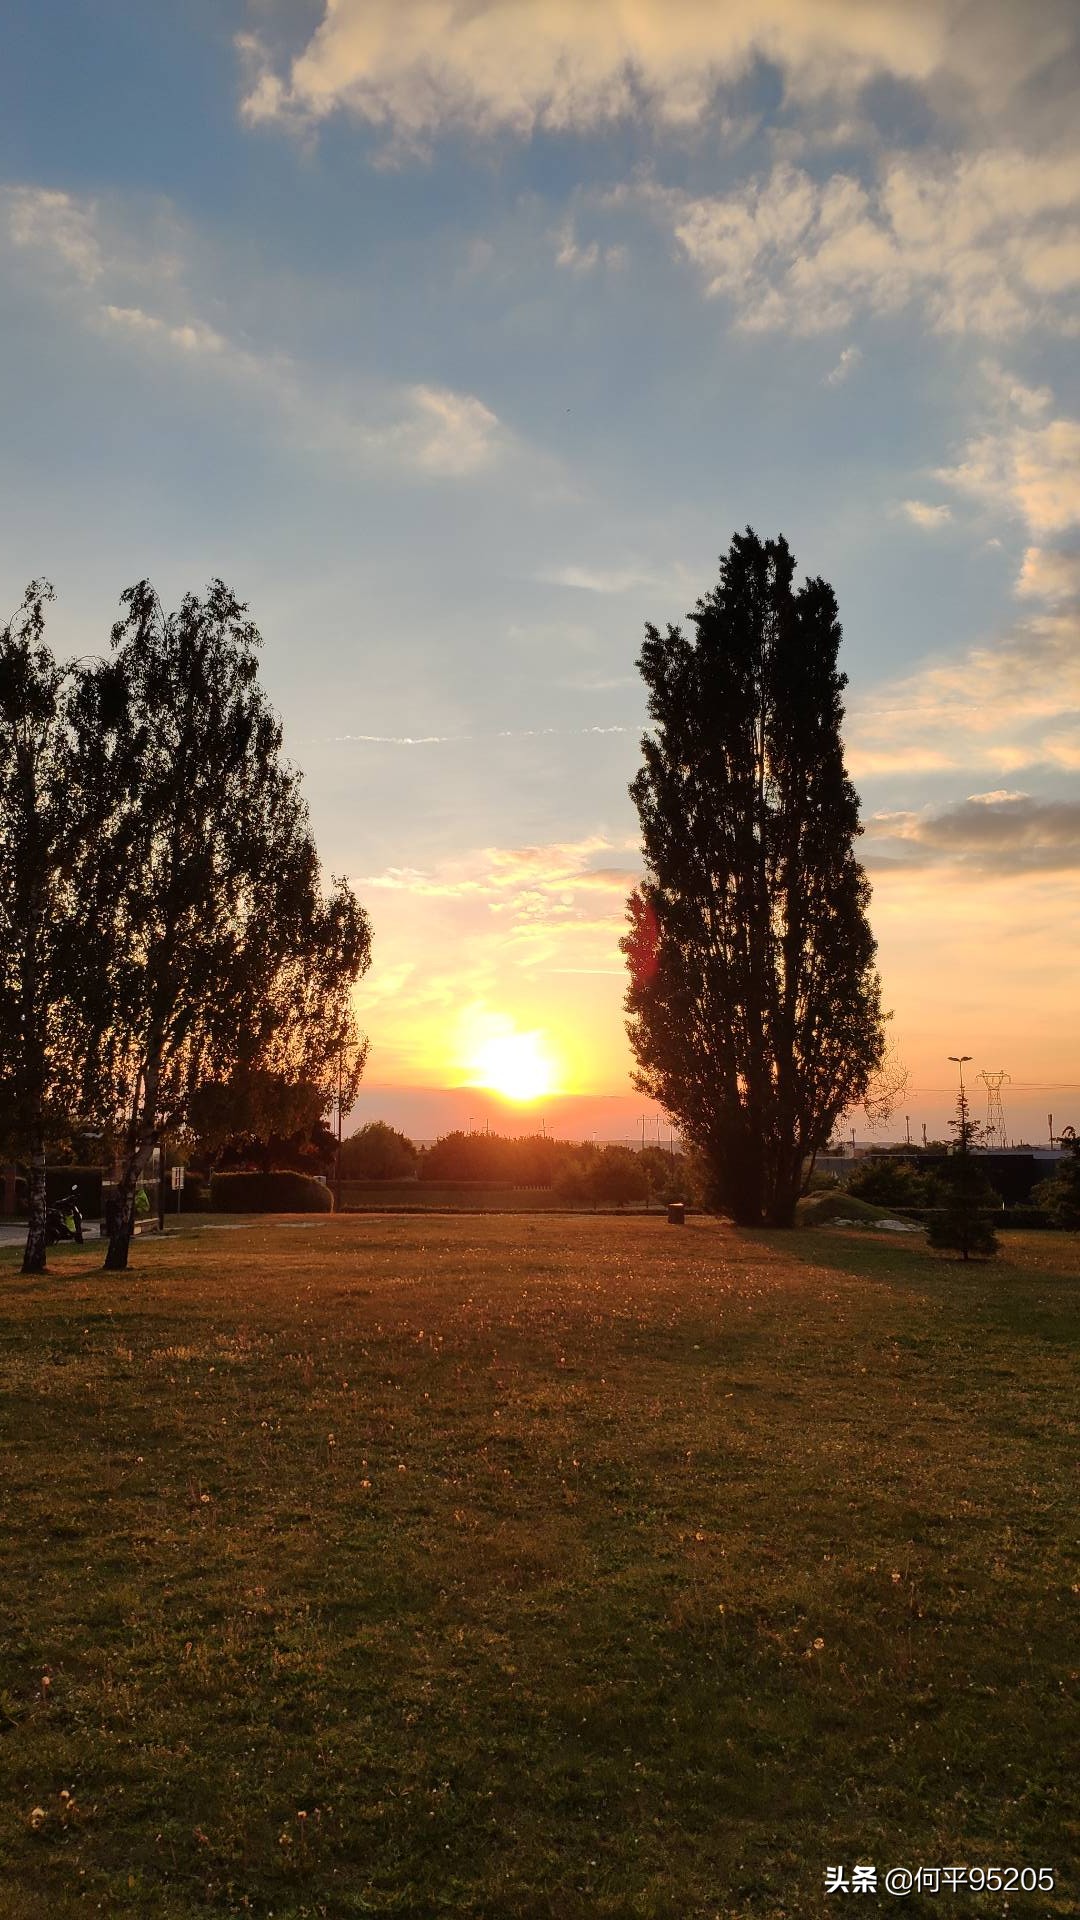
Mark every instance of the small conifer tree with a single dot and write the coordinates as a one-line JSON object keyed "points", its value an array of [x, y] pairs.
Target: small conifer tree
{"points": [[965, 1196]]}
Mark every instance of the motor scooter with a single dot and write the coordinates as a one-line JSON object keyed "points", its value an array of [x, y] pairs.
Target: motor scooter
{"points": [[64, 1221]]}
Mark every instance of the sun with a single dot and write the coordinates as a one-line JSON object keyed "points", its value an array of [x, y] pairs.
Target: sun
{"points": [[515, 1065]]}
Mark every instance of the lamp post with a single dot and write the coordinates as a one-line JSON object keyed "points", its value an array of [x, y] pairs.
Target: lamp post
{"points": [[958, 1060], [964, 1132]]}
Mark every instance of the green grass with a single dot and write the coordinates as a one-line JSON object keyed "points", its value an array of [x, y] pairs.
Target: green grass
{"points": [[553, 1567]]}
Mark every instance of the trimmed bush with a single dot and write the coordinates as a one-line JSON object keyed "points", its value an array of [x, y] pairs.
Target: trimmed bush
{"points": [[269, 1193], [821, 1209]]}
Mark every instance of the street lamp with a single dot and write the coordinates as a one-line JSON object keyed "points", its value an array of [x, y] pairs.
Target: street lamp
{"points": [[958, 1060]]}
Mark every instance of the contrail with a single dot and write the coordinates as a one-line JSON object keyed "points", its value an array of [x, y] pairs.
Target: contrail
{"points": [[453, 739]]}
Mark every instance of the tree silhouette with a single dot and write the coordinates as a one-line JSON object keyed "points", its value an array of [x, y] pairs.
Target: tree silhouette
{"points": [[754, 1006], [964, 1194], [38, 907], [1060, 1194], [377, 1152], [216, 950]]}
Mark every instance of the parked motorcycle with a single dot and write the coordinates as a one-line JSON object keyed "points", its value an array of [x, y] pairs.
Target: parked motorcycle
{"points": [[64, 1221]]}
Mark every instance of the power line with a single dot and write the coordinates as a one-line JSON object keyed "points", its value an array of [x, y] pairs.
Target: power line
{"points": [[1019, 1086]]}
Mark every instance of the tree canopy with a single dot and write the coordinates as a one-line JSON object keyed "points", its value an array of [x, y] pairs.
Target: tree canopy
{"points": [[39, 933], [377, 1152], [754, 1007], [217, 951], [962, 1219]]}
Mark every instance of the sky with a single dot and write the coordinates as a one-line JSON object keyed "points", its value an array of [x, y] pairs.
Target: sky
{"points": [[459, 337]]}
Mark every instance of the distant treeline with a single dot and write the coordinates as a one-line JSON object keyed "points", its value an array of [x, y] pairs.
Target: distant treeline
{"points": [[578, 1173]]}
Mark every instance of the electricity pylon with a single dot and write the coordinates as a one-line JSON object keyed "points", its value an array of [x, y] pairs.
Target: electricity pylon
{"points": [[995, 1110]]}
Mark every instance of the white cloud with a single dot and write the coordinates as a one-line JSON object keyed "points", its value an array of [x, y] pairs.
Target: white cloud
{"points": [[130, 280], [969, 238], [929, 518], [846, 364], [601, 579], [417, 67], [445, 433]]}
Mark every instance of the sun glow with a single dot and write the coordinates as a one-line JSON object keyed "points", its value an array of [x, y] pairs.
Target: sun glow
{"points": [[515, 1065]]}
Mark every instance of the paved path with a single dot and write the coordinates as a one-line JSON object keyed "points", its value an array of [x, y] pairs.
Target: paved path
{"points": [[13, 1232]]}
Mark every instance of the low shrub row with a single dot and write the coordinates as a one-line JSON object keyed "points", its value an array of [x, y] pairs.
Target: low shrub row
{"points": [[269, 1193]]}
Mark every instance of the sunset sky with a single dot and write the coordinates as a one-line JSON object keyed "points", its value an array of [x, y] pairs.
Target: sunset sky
{"points": [[460, 338]]}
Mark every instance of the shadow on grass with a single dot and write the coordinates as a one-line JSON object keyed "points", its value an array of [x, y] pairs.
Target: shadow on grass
{"points": [[1029, 1287]]}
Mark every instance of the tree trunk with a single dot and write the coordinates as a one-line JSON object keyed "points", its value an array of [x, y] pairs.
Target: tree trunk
{"points": [[35, 1258], [781, 1212], [123, 1214], [140, 1145], [787, 1181]]}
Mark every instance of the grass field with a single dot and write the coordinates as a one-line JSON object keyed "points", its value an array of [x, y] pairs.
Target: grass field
{"points": [[554, 1567]]}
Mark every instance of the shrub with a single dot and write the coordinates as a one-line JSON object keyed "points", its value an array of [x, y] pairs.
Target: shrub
{"points": [[377, 1152], [528, 1161], [823, 1183], [821, 1209], [269, 1193], [617, 1177], [889, 1183], [1060, 1195], [963, 1222]]}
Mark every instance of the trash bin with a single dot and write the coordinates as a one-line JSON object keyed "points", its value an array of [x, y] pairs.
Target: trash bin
{"points": [[676, 1213]]}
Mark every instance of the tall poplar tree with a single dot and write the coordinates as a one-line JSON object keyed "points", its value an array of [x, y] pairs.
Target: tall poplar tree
{"points": [[754, 1006], [216, 950]]}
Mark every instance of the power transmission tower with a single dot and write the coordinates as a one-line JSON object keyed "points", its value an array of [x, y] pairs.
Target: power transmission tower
{"points": [[995, 1110]]}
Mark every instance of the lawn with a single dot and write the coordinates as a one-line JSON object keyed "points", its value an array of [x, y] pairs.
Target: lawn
{"points": [[560, 1567]]}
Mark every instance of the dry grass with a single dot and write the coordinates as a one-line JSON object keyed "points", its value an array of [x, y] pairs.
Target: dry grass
{"points": [[562, 1568]]}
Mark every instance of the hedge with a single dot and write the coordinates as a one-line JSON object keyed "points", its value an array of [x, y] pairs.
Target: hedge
{"points": [[60, 1180], [269, 1193]]}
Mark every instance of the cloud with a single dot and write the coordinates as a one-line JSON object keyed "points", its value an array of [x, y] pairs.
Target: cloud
{"points": [[55, 226], [128, 279], [523, 883], [927, 517], [442, 433], [1000, 832], [846, 364], [1049, 575], [578, 259], [459, 739], [1001, 706], [516, 913], [189, 336], [971, 238], [416, 68], [601, 579], [569, 254], [1031, 471]]}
